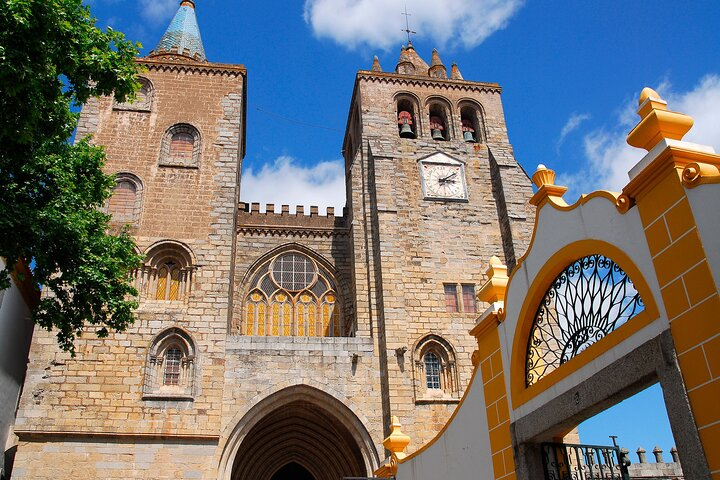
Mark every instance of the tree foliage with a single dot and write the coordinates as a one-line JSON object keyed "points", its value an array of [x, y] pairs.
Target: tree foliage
{"points": [[52, 59]]}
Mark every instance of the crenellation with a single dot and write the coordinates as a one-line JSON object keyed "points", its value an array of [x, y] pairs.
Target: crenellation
{"points": [[218, 275]]}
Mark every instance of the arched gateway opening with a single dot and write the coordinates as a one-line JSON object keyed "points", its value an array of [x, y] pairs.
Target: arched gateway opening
{"points": [[299, 433]]}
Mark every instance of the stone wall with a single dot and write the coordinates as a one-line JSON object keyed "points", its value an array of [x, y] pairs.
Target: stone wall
{"points": [[407, 247], [101, 390]]}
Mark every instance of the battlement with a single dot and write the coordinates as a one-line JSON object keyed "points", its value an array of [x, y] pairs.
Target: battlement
{"points": [[250, 218]]}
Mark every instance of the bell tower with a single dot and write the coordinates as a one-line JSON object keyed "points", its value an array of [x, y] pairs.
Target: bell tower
{"points": [[433, 190]]}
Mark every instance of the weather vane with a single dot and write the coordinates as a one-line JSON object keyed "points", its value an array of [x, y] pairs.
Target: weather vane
{"points": [[407, 24]]}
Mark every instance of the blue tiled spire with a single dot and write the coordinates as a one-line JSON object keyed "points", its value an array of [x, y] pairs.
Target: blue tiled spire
{"points": [[183, 35]]}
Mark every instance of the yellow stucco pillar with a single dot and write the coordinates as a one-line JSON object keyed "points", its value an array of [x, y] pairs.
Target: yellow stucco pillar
{"points": [[489, 358], [659, 186]]}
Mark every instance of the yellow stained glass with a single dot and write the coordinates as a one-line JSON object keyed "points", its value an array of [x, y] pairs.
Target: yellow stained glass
{"points": [[330, 298], [174, 285], [287, 320], [312, 319], [275, 319], [249, 319], [281, 298], [300, 319], [261, 319], [255, 297], [161, 284], [326, 320], [305, 298]]}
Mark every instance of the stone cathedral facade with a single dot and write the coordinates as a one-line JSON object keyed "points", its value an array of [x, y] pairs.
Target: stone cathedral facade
{"points": [[271, 344]]}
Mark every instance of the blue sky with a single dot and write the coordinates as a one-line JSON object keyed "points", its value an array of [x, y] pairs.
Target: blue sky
{"points": [[571, 74]]}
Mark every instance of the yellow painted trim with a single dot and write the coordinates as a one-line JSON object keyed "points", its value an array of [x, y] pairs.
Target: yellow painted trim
{"points": [[676, 158], [698, 173], [447, 424], [492, 320], [559, 261]]}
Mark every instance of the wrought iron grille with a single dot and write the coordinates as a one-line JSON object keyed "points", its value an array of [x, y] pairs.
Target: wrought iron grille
{"points": [[589, 299], [583, 462]]}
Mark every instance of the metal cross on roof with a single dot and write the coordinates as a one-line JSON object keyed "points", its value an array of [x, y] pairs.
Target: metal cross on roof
{"points": [[407, 24]]}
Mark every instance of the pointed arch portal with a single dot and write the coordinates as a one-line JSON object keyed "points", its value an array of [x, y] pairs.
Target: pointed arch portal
{"points": [[301, 433]]}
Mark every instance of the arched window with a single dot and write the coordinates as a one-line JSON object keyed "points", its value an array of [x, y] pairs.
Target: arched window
{"points": [[438, 122], [406, 119], [170, 371], [125, 203], [143, 98], [435, 370], [432, 370], [181, 147], [292, 294], [473, 126], [168, 272], [587, 301]]}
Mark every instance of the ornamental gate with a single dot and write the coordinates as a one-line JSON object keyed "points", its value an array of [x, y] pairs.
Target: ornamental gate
{"points": [[563, 461]]}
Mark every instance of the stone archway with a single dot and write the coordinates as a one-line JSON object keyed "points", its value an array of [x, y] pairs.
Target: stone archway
{"points": [[299, 432]]}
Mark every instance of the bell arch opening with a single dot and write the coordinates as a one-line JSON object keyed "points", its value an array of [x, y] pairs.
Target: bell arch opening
{"points": [[301, 433]]}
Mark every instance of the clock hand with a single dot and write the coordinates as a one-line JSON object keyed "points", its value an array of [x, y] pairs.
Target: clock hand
{"points": [[447, 179]]}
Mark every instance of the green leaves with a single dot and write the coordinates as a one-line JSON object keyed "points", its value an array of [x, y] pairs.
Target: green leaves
{"points": [[52, 56]]}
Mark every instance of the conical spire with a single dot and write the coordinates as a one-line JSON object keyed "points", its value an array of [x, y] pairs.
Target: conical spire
{"points": [[183, 35], [455, 72], [376, 65], [437, 69]]}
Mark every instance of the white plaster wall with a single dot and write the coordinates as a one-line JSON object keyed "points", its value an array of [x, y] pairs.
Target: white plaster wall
{"points": [[15, 335], [704, 201], [597, 219], [463, 450]]}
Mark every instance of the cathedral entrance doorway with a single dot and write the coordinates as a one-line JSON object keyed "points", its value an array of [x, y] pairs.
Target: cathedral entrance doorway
{"points": [[300, 433], [292, 471]]}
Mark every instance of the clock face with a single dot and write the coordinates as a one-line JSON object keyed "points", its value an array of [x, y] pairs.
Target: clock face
{"points": [[445, 181]]}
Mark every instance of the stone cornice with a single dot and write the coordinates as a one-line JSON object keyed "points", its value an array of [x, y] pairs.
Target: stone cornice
{"points": [[31, 434], [423, 81], [186, 65], [292, 231]]}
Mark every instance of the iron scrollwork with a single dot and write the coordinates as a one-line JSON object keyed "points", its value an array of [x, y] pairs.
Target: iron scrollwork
{"points": [[583, 462], [589, 299]]}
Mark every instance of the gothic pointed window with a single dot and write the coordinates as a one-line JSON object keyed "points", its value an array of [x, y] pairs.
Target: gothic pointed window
{"points": [[292, 294], [435, 372], [181, 147], [170, 370]]}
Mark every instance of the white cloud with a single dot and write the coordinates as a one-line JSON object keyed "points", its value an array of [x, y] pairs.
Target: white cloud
{"points": [[286, 183], [571, 125], [158, 10], [610, 158], [378, 23]]}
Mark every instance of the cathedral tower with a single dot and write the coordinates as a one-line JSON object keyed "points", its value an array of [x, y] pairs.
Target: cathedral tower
{"points": [[176, 152], [433, 190], [271, 344]]}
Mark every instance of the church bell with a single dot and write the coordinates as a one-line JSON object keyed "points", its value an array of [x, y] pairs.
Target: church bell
{"points": [[468, 136], [406, 131], [437, 134]]}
